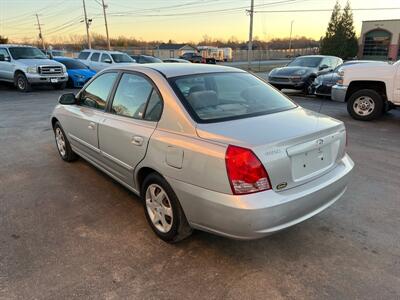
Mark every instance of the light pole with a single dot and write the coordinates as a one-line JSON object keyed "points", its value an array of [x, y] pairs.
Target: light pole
{"points": [[87, 22], [250, 44], [290, 38]]}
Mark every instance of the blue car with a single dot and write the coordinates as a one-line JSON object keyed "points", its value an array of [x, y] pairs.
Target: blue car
{"points": [[78, 73]]}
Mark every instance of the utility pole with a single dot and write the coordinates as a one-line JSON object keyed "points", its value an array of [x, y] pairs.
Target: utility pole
{"points": [[290, 39], [40, 31], [250, 44], [105, 22], [87, 26]]}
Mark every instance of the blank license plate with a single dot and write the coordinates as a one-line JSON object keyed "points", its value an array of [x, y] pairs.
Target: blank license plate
{"points": [[53, 80], [310, 162]]}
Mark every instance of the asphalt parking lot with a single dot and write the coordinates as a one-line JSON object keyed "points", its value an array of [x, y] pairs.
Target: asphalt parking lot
{"points": [[67, 231]]}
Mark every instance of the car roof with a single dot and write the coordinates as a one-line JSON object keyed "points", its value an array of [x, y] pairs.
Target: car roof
{"points": [[15, 45], [173, 69]]}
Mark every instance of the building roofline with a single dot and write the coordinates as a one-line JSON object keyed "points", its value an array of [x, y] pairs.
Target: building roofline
{"points": [[381, 20]]}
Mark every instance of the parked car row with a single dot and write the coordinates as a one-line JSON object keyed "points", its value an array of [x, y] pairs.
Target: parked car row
{"points": [[370, 88], [27, 66]]}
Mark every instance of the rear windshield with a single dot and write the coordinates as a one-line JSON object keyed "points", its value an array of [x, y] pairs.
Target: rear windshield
{"points": [[73, 64], [122, 58], [84, 55], [224, 96]]}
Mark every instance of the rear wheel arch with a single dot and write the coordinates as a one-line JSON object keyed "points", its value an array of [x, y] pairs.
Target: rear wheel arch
{"points": [[54, 120], [141, 176]]}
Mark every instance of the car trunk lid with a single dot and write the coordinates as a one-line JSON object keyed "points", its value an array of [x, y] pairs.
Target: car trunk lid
{"points": [[295, 146]]}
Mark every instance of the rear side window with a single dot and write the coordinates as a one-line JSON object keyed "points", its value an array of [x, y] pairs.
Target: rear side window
{"points": [[95, 57], [224, 96], [96, 94], [84, 55], [131, 96]]}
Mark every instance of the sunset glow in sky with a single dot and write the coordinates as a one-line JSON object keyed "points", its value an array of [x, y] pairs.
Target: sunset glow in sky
{"points": [[179, 20]]}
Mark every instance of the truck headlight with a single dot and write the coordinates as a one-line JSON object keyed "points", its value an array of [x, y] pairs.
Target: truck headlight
{"points": [[32, 70], [64, 69], [341, 76]]}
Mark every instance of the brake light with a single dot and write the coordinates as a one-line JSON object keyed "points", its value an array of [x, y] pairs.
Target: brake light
{"points": [[246, 173]]}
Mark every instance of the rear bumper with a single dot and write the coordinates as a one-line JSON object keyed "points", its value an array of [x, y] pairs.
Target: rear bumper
{"points": [[338, 93], [260, 214]]}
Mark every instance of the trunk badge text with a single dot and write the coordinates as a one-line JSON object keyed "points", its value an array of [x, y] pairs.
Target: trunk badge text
{"points": [[320, 142]]}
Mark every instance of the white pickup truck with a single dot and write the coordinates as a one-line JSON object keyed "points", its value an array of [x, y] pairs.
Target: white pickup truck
{"points": [[369, 89]]}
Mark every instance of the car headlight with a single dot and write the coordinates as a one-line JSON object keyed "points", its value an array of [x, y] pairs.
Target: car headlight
{"points": [[79, 76], [32, 69], [299, 72], [317, 80], [64, 68]]}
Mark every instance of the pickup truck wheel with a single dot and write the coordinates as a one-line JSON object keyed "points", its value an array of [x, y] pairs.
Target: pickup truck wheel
{"points": [[22, 83], [163, 210], [365, 105]]}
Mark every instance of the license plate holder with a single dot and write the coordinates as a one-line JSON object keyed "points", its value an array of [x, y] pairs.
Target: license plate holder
{"points": [[311, 162]]}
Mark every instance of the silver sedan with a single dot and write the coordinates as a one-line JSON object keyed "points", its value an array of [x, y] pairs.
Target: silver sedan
{"points": [[206, 147]]}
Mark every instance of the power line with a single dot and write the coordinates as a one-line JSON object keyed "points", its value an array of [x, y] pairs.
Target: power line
{"points": [[323, 10]]}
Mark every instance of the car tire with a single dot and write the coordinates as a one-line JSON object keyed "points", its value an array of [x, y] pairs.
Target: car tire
{"points": [[307, 84], [63, 145], [365, 105], [60, 86], [22, 83], [163, 210]]}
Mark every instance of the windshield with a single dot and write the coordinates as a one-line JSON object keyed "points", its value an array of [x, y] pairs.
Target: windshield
{"points": [[311, 62], [122, 58], [26, 53], [223, 96], [57, 53], [73, 64]]}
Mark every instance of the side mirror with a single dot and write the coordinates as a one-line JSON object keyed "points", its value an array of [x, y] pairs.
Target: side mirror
{"points": [[3, 58], [67, 99], [323, 67], [108, 61]]}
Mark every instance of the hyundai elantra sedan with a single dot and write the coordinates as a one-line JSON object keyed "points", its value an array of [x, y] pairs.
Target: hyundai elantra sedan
{"points": [[206, 147]]}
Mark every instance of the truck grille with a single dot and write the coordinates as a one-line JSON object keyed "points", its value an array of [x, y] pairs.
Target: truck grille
{"points": [[50, 70]]}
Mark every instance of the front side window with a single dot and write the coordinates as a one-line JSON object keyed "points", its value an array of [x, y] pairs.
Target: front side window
{"points": [[5, 53], [131, 96], [223, 96], [105, 58], [96, 94], [95, 56], [122, 58]]}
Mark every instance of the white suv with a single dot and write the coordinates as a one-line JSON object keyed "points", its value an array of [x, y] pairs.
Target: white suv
{"points": [[98, 60]]}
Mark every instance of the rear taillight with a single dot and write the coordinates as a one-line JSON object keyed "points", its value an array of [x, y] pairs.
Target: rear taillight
{"points": [[246, 173]]}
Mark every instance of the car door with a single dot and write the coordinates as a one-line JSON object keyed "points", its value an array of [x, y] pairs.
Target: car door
{"points": [[81, 124], [129, 122], [6, 66], [94, 62]]}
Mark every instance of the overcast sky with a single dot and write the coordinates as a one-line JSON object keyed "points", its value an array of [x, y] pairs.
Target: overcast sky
{"points": [[179, 20]]}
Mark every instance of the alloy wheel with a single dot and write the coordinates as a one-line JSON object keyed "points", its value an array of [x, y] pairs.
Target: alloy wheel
{"points": [[60, 142], [159, 208]]}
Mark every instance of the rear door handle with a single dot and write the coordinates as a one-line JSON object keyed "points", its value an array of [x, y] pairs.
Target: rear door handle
{"points": [[92, 125], [137, 140]]}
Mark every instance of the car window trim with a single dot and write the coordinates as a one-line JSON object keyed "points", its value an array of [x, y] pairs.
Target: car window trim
{"points": [[195, 117], [93, 53], [78, 96], [110, 101]]}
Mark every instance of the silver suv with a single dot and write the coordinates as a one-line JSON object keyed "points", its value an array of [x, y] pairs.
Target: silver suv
{"points": [[26, 66], [98, 60]]}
